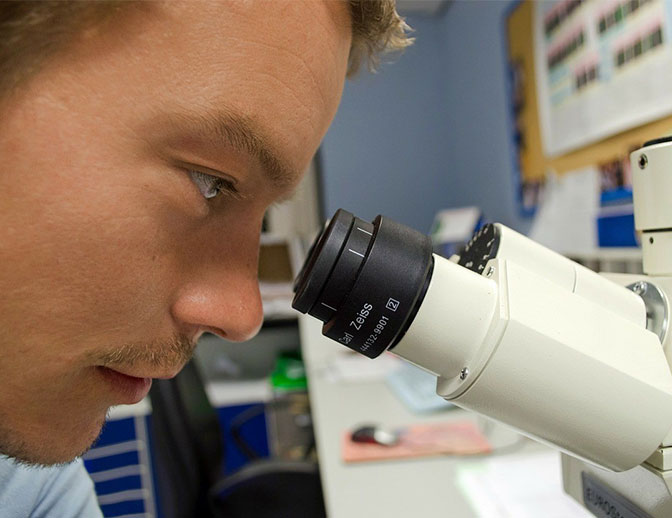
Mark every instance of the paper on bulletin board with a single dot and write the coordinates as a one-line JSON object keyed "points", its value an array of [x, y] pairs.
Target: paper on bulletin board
{"points": [[566, 218], [602, 68]]}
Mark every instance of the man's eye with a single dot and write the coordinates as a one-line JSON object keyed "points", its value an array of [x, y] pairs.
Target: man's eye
{"points": [[211, 186]]}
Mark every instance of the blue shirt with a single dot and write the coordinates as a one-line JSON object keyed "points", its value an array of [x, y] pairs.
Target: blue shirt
{"points": [[53, 492]]}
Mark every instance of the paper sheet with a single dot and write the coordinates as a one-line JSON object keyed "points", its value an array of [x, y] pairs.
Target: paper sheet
{"points": [[421, 440], [276, 298], [416, 389], [566, 218], [352, 368], [527, 486], [601, 68]]}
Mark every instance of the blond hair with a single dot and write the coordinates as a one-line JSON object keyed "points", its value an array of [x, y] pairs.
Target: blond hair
{"points": [[33, 31], [376, 28]]}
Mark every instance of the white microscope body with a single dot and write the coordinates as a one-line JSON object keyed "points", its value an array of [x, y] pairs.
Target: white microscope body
{"points": [[520, 334], [648, 486], [566, 356]]}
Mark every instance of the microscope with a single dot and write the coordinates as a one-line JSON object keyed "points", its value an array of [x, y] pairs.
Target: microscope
{"points": [[518, 333]]}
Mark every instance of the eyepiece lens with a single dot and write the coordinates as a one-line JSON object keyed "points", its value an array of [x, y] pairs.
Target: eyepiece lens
{"points": [[365, 281], [320, 261]]}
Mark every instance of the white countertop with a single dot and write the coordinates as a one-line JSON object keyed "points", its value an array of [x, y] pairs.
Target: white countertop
{"points": [[422, 487]]}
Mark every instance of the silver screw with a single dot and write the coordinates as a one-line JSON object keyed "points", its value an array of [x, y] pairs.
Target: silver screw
{"points": [[464, 373], [639, 288], [643, 161], [490, 271]]}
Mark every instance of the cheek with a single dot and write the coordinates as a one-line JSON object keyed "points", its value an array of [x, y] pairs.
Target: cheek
{"points": [[99, 240], [225, 243], [86, 226], [96, 258], [103, 266]]}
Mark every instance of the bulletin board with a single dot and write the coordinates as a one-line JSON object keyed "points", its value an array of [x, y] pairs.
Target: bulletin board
{"points": [[631, 41]]}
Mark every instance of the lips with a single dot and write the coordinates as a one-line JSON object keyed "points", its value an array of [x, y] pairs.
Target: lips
{"points": [[128, 389]]}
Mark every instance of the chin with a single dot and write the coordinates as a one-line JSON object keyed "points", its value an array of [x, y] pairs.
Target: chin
{"points": [[57, 450]]}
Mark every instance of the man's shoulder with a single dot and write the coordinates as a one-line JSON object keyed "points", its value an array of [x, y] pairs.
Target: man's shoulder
{"points": [[20, 486], [62, 491]]}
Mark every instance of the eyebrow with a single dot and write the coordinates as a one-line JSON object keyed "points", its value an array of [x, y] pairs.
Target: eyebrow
{"points": [[242, 135]]}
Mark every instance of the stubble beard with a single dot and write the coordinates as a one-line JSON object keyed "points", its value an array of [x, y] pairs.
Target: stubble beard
{"points": [[164, 354], [42, 456]]}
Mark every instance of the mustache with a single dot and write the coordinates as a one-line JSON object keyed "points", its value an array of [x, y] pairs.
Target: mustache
{"points": [[171, 353]]}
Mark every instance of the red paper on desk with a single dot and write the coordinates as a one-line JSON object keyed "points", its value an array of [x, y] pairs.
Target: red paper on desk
{"points": [[454, 438]]}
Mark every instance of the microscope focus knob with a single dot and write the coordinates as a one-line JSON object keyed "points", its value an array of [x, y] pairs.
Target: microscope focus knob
{"points": [[481, 248]]}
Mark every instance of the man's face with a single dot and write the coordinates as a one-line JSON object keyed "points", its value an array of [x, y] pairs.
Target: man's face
{"points": [[118, 247]]}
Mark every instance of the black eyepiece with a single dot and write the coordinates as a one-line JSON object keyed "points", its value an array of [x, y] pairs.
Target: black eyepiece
{"points": [[365, 281]]}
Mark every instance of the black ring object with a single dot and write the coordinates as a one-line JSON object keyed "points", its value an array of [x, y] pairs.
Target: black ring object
{"points": [[321, 260], [365, 281]]}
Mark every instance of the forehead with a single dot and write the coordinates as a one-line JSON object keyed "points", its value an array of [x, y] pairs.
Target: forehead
{"points": [[279, 64], [284, 60], [264, 38]]}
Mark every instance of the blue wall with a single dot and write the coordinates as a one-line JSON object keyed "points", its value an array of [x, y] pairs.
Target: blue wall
{"points": [[480, 147], [384, 153], [431, 130]]}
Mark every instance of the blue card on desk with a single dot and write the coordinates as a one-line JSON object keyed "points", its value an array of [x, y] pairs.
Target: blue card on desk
{"points": [[417, 389]]}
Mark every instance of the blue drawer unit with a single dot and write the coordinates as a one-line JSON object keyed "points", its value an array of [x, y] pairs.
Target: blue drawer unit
{"points": [[120, 463], [120, 467]]}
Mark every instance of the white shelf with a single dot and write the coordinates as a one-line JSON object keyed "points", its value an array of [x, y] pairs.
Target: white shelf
{"points": [[606, 254]]}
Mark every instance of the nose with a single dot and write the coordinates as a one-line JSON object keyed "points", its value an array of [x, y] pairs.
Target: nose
{"points": [[221, 293]]}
